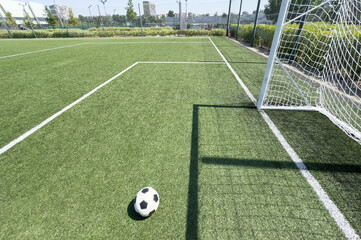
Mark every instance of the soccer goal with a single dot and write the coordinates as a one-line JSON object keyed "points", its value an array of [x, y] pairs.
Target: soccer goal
{"points": [[315, 61]]}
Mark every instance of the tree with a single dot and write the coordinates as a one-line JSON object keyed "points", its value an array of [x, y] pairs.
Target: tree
{"points": [[10, 21], [73, 21], [224, 15], [131, 15], [272, 9], [50, 19], [171, 13]]}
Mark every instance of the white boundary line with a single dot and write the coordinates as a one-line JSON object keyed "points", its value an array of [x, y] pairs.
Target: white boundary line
{"points": [[221, 63], [98, 43], [95, 43], [36, 128], [96, 38], [44, 50], [335, 213]]}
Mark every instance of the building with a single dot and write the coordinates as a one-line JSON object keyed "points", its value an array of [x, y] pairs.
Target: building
{"points": [[60, 11], [149, 8], [16, 8]]}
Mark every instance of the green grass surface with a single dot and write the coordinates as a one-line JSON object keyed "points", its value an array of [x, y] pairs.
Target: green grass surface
{"points": [[187, 130]]}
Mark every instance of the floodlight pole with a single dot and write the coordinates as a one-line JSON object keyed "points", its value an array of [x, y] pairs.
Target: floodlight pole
{"points": [[187, 13], [180, 16], [27, 15], [6, 26], [300, 28], [229, 17], [239, 19], [104, 1], [101, 21], [141, 20], [255, 23], [61, 21], [35, 17], [90, 14]]}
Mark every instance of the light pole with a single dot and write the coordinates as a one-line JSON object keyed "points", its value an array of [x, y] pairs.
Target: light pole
{"points": [[101, 21], [59, 14], [104, 1], [90, 13], [229, 18], [187, 12], [239, 19], [255, 23], [6, 26], [29, 20], [180, 16]]}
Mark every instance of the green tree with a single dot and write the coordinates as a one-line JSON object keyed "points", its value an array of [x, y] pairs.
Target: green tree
{"points": [[224, 15], [10, 21], [171, 13], [50, 19], [131, 15], [272, 9], [73, 21]]}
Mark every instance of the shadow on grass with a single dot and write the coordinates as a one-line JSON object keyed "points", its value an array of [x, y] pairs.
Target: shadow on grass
{"points": [[192, 211], [193, 208], [344, 168], [132, 213]]}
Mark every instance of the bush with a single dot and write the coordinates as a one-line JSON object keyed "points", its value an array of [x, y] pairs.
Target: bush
{"points": [[110, 32]]}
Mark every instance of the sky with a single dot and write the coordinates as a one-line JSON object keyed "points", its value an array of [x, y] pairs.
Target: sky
{"points": [[162, 6]]}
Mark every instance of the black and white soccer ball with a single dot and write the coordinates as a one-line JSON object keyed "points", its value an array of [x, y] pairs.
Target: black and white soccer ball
{"points": [[146, 202]]}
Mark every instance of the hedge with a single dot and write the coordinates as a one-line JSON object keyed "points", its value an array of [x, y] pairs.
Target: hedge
{"points": [[315, 37]]}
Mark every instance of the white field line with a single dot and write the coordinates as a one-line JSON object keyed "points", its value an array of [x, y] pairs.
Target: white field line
{"points": [[44, 50], [222, 63], [96, 39], [335, 213], [36, 128], [98, 43]]}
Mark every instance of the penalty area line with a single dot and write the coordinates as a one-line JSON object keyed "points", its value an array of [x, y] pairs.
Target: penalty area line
{"points": [[42, 124], [331, 207]]}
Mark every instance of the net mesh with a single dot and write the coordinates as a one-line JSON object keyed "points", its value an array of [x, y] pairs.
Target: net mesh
{"points": [[318, 63]]}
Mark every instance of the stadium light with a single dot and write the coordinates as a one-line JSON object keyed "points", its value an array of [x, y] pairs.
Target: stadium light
{"points": [[90, 13], [104, 1]]}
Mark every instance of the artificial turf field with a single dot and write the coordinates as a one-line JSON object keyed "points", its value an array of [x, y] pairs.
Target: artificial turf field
{"points": [[178, 121]]}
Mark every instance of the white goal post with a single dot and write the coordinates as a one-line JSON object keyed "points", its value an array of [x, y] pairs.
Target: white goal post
{"points": [[315, 61]]}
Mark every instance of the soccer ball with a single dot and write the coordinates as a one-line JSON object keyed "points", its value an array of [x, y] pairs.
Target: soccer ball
{"points": [[146, 202]]}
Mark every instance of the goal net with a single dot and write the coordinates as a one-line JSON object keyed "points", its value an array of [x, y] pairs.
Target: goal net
{"points": [[315, 61]]}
